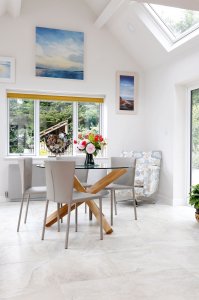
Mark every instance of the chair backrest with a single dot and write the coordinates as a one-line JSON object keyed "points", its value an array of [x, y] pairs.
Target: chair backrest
{"points": [[25, 168], [81, 174], [60, 180], [145, 157], [148, 158], [147, 171], [127, 178]]}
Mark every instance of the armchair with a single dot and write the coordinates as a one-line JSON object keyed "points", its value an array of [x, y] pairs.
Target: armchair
{"points": [[147, 172]]}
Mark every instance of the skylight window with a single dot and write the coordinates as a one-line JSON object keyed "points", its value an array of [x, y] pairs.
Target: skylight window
{"points": [[176, 22]]}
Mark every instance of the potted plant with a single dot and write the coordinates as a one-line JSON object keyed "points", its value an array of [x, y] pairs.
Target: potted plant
{"points": [[194, 199]]}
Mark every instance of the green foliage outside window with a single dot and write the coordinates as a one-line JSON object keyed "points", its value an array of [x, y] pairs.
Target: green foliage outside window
{"points": [[88, 117], [177, 20], [51, 113], [21, 124], [54, 112], [194, 196]]}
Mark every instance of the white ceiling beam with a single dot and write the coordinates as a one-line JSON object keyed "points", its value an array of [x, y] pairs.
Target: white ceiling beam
{"points": [[3, 4], [191, 4], [14, 7], [108, 12]]}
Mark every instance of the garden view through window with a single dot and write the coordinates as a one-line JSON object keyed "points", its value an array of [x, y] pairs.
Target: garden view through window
{"points": [[31, 121]]}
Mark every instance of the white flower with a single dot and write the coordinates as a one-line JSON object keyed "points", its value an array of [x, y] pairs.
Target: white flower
{"points": [[61, 135]]}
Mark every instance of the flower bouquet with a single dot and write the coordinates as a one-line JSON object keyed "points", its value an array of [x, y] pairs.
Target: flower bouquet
{"points": [[57, 143], [90, 143]]}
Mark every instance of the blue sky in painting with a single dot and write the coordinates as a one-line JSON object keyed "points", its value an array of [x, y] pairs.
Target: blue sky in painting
{"points": [[127, 87], [59, 49], [5, 69]]}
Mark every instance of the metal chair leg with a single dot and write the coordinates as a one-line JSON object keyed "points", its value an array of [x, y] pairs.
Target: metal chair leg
{"points": [[76, 216], [27, 206], [112, 196], [134, 204], [61, 218], [101, 229], [68, 226], [115, 203], [20, 212], [45, 216]]}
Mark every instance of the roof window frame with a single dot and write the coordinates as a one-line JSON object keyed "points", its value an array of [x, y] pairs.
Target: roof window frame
{"points": [[174, 39], [169, 44]]}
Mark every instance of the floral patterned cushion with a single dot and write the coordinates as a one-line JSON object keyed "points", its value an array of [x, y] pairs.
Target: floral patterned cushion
{"points": [[152, 157], [147, 171]]}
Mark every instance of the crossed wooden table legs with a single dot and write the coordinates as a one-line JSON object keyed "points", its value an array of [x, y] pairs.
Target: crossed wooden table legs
{"points": [[95, 188]]}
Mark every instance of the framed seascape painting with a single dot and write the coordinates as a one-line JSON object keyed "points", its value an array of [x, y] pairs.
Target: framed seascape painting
{"points": [[7, 69], [59, 53], [126, 102]]}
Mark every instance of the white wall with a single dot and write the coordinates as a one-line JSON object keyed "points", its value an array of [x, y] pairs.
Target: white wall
{"points": [[103, 57], [166, 119]]}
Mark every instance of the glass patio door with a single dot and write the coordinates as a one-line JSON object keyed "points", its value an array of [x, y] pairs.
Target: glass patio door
{"points": [[194, 151]]}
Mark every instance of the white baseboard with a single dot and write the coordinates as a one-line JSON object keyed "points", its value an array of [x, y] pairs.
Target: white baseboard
{"points": [[163, 199], [179, 202]]}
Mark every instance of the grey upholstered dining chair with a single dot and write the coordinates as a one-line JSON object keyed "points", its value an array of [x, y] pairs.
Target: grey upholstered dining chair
{"points": [[59, 182], [125, 182], [82, 174], [25, 168]]}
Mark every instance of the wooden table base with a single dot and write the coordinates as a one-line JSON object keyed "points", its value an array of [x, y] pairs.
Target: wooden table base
{"points": [[95, 188]]}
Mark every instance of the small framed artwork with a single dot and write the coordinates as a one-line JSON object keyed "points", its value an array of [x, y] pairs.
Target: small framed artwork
{"points": [[7, 69], [126, 102]]}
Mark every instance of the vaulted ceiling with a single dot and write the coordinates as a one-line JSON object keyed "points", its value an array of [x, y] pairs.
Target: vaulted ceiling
{"points": [[121, 18]]}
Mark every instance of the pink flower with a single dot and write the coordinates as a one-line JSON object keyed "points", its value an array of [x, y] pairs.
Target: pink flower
{"points": [[82, 145], [90, 148]]}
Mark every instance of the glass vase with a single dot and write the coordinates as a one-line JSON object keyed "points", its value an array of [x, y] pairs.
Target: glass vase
{"points": [[89, 160]]}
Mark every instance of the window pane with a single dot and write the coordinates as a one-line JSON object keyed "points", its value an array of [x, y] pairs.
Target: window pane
{"points": [[88, 117], [195, 137], [177, 20], [21, 126], [55, 117]]}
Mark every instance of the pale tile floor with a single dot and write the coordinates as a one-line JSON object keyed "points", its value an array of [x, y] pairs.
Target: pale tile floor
{"points": [[156, 257]]}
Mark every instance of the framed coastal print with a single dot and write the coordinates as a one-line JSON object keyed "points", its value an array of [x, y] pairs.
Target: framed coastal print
{"points": [[126, 102], [59, 53], [7, 69]]}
